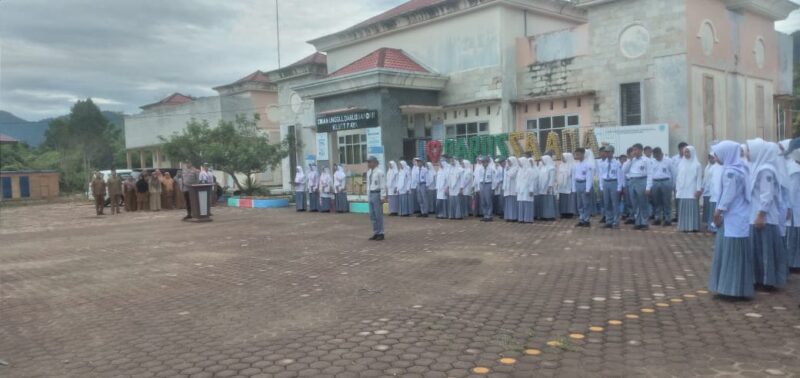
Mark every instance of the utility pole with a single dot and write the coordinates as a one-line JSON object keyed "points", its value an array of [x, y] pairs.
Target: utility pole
{"points": [[278, 31]]}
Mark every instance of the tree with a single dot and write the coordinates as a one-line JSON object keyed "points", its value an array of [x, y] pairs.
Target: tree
{"points": [[85, 141], [232, 147]]}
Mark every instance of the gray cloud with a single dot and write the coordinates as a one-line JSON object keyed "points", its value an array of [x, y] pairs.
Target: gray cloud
{"points": [[127, 53]]}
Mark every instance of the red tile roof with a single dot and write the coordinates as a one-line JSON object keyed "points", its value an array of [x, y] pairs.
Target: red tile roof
{"points": [[173, 99], [406, 7], [257, 76], [382, 58], [7, 139], [315, 58]]}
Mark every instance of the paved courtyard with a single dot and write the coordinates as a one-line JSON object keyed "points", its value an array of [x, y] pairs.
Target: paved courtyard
{"points": [[274, 293]]}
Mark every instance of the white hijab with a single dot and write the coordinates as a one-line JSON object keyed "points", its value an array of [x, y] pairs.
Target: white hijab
{"points": [[764, 156], [300, 176], [792, 166]]}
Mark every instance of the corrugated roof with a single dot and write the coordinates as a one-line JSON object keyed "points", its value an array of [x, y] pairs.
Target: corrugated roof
{"points": [[7, 139], [382, 58]]}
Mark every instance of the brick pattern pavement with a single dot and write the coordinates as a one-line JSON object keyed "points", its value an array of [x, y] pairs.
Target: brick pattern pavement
{"points": [[275, 293]]}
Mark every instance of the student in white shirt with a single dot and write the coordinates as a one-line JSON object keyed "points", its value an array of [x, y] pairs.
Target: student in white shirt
{"points": [[793, 203], [733, 264], [300, 189], [391, 187], [376, 187], [510, 190], [662, 187], [547, 184], [611, 180], [582, 179], [526, 177], [403, 186], [567, 201], [430, 182], [688, 188], [767, 215], [454, 193], [638, 172], [484, 181]]}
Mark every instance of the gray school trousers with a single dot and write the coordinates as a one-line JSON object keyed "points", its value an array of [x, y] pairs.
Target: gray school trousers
{"points": [[611, 202], [584, 201], [637, 187], [487, 199], [376, 212]]}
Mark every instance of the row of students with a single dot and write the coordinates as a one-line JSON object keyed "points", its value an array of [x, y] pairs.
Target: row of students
{"points": [[321, 192], [757, 212]]}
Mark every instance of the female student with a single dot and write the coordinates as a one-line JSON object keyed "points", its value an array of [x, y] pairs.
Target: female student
{"points": [[430, 179], [793, 203], [403, 189], [441, 190], [688, 188], [325, 191], [300, 189], [547, 183], [767, 214], [391, 189], [526, 179], [733, 264], [340, 189], [467, 188], [510, 190], [567, 200]]}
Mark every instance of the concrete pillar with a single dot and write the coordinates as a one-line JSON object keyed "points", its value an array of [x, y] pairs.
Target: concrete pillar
{"points": [[157, 160], [141, 159], [128, 159]]}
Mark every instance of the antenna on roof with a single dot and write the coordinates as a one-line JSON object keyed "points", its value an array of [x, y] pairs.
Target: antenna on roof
{"points": [[278, 32]]}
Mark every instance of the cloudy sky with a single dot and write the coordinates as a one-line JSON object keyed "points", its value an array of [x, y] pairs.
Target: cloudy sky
{"points": [[127, 53]]}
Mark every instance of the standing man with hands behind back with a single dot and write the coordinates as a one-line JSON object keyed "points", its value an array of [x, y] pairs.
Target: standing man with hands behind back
{"points": [[189, 177], [376, 187]]}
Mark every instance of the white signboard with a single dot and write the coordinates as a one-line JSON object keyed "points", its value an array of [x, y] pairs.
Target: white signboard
{"points": [[375, 145], [322, 146], [623, 137]]}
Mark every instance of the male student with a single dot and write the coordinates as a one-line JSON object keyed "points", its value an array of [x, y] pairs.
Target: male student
{"points": [[376, 187], [640, 182], [582, 178], [661, 170], [611, 181]]}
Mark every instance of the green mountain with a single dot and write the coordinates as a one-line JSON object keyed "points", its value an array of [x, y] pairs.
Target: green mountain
{"points": [[32, 132]]}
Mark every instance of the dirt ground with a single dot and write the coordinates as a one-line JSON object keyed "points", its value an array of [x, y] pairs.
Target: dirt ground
{"points": [[273, 292]]}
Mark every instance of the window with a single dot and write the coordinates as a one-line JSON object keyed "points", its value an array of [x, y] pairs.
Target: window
{"points": [[353, 148], [630, 104], [464, 130], [543, 126]]}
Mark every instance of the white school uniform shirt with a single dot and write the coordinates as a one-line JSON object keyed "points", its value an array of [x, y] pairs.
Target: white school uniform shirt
{"points": [[376, 180], [430, 176], [468, 179], [510, 177], [313, 180], [403, 178], [391, 179], [583, 172], [639, 168], [325, 184], [715, 182], [689, 178], [454, 180], [707, 180], [662, 169], [499, 175], [611, 169], [565, 168], [441, 182], [415, 172], [765, 186], [300, 180], [526, 181]]}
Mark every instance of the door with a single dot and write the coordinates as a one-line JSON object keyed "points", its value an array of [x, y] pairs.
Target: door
{"points": [[6, 185], [24, 187]]}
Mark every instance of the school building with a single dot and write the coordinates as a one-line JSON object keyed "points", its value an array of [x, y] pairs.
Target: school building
{"points": [[454, 69]]}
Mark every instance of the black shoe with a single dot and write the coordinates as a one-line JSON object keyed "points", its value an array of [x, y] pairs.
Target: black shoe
{"points": [[630, 221], [587, 224], [187, 217], [657, 222], [488, 219], [579, 224], [424, 215], [374, 237], [379, 237], [667, 224], [608, 226], [641, 228]]}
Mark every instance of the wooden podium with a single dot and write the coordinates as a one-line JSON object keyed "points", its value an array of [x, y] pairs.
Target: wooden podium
{"points": [[200, 196]]}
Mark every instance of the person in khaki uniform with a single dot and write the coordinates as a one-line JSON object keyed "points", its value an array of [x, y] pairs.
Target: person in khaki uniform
{"points": [[154, 186], [167, 191], [114, 185], [98, 192], [129, 187]]}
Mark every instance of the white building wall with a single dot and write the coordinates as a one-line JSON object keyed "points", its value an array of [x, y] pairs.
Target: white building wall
{"points": [[143, 130]]}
